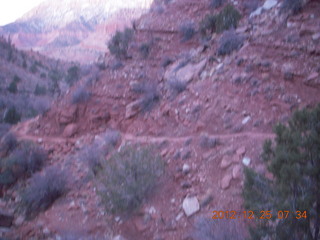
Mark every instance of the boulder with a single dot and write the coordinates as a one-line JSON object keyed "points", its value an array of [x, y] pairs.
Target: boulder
{"points": [[236, 171], [70, 130], [313, 80], [190, 206], [68, 115], [225, 182], [186, 73], [226, 162], [133, 108]]}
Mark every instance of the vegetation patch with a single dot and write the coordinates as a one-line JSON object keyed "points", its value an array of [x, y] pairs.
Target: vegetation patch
{"points": [[11, 115], [229, 42], [293, 161], [40, 90], [118, 45], [80, 95], [145, 49], [22, 162], [13, 88], [292, 6], [228, 18], [187, 31], [127, 176], [43, 190], [73, 75]]}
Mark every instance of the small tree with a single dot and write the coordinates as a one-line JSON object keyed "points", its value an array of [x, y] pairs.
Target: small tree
{"points": [[11, 116], [73, 75], [293, 160], [119, 43], [13, 87]]}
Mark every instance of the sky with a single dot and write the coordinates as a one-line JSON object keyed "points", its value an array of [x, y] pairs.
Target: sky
{"points": [[11, 10]]}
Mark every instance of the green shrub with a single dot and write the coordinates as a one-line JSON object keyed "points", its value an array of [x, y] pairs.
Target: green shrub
{"points": [[229, 42], [11, 115], [43, 190], [119, 43], [40, 90], [228, 18], [207, 25], [126, 178], [13, 87], [292, 159]]}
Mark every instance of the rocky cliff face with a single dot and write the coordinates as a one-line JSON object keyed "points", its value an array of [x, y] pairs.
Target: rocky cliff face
{"points": [[64, 29]]}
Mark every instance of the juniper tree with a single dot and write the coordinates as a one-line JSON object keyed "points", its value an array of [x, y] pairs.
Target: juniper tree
{"points": [[293, 159]]}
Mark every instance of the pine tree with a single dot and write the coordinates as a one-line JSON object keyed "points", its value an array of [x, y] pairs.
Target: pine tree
{"points": [[293, 159]]}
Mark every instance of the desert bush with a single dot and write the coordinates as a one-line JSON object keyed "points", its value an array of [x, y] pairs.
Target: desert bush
{"points": [[228, 18], [73, 75], [229, 42], [16, 79], [34, 68], [216, 3], [25, 160], [208, 142], [11, 115], [8, 143], [206, 228], [126, 178], [207, 25], [40, 90], [43, 190], [111, 138], [177, 86], [150, 97], [40, 105], [95, 154], [80, 95], [187, 31], [291, 6], [13, 87], [119, 43], [43, 75], [144, 49]]}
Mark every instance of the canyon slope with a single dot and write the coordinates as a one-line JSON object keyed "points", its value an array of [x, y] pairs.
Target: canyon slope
{"points": [[73, 29]]}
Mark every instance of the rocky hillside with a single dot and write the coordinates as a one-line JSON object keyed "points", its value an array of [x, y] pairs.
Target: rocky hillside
{"points": [[76, 29], [204, 95]]}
